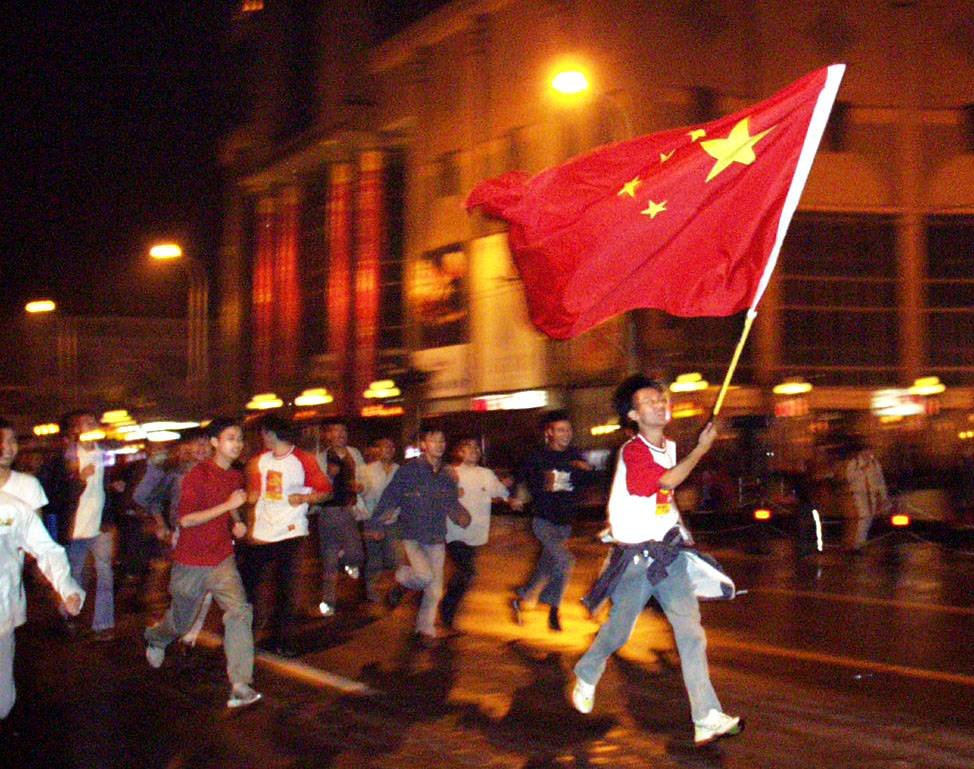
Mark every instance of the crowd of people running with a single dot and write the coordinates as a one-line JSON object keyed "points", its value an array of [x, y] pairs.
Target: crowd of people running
{"points": [[223, 521]]}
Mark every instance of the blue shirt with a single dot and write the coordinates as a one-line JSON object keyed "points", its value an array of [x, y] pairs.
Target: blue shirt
{"points": [[424, 497]]}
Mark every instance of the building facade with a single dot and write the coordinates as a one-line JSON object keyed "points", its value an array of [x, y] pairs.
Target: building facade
{"points": [[348, 257]]}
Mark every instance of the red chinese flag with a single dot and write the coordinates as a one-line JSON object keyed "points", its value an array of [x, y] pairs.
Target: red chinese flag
{"points": [[689, 221]]}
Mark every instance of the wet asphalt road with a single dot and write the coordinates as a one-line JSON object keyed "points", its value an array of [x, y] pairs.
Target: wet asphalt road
{"points": [[835, 661]]}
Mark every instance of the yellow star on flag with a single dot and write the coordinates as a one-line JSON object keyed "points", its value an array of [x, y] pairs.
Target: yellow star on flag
{"points": [[629, 188], [697, 133], [738, 147], [664, 156], [653, 208]]}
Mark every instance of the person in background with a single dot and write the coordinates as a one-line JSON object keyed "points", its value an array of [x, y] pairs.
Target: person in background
{"points": [[339, 537], [552, 475], [21, 485], [380, 545], [478, 488], [868, 496], [209, 519], [75, 483], [21, 530]]}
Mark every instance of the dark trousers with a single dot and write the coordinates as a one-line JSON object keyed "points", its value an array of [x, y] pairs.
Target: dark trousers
{"points": [[464, 558], [283, 555]]}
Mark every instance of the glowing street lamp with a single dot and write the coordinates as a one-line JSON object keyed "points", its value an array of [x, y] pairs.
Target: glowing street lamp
{"points": [[163, 251], [570, 82], [264, 401], [40, 306]]}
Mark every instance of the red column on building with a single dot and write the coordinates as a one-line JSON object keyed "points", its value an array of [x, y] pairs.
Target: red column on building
{"points": [[368, 253], [263, 295], [287, 288], [339, 296]]}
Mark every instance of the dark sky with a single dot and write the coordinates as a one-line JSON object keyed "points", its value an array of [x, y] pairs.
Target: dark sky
{"points": [[109, 127]]}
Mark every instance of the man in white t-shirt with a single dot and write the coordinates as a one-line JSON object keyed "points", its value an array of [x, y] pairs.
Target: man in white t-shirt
{"points": [[74, 482], [651, 558], [477, 487], [21, 485], [282, 483], [380, 546]]}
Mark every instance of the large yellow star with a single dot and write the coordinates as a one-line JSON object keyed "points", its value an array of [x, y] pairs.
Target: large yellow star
{"points": [[738, 147], [629, 188], [653, 208]]}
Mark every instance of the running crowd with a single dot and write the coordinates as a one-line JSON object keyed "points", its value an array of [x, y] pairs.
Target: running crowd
{"points": [[223, 525]]}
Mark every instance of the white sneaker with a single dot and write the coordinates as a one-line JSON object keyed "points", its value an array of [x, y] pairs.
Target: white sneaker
{"points": [[715, 725], [155, 655], [352, 571], [326, 609], [242, 695], [583, 696]]}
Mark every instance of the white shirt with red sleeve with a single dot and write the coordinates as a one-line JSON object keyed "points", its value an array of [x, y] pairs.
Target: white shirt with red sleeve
{"points": [[274, 479], [639, 510]]}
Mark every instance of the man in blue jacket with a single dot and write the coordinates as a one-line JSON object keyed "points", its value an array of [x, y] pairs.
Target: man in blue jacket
{"points": [[424, 492]]}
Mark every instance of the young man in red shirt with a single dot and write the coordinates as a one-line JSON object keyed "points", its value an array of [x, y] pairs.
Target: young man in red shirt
{"points": [[209, 511]]}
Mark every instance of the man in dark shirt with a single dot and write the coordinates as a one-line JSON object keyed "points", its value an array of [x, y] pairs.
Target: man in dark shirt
{"points": [[424, 491], [552, 475]]}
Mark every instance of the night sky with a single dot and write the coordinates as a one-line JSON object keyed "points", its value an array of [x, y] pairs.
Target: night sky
{"points": [[110, 122]]}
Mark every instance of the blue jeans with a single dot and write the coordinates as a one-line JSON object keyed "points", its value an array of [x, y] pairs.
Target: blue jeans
{"points": [[554, 564], [424, 571], [102, 549], [340, 543], [676, 597]]}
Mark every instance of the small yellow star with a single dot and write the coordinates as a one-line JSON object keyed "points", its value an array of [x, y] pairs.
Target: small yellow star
{"points": [[653, 208], [697, 133], [738, 147], [664, 156], [629, 188]]}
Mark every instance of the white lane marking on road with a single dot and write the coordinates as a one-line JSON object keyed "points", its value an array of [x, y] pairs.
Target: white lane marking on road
{"points": [[297, 669], [843, 598], [721, 641]]}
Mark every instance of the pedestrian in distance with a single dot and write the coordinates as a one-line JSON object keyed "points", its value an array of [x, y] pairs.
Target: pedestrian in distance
{"points": [[652, 558], [380, 544], [338, 534], [21, 485], [209, 519], [423, 494], [552, 476], [478, 488]]}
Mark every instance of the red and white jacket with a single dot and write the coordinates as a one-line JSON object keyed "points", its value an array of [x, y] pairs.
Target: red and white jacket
{"points": [[639, 510], [272, 480]]}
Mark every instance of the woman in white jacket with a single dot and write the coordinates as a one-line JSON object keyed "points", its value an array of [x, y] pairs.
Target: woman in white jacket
{"points": [[22, 529]]}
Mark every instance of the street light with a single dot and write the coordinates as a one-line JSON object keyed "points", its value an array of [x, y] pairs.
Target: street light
{"points": [[40, 305], [197, 369]]}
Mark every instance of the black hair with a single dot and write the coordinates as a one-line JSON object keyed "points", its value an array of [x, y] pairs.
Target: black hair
{"points": [[215, 428], [336, 420], [556, 415], [192, 434], [283, 428], [428, 428], [622, 397], [68, 419], [6, 424]]}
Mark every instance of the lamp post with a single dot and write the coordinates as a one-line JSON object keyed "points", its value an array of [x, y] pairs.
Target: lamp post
{"points": [[198, 342]]}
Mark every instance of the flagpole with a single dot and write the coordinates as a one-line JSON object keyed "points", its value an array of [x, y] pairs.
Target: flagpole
{"points": [[748, 322]]}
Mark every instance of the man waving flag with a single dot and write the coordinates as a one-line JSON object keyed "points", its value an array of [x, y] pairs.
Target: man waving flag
{"points": [[689, 221]]}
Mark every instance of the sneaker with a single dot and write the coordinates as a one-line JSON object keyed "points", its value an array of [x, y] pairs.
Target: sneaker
{"points": [[242, 695], [714, 726], [326, 609], [352, 571], [583, 696], [155, 655]]}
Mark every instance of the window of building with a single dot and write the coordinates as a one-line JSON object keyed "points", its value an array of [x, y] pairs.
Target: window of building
{"points": [[950, 298], [313, 248], [839, 305], [391, 266]]}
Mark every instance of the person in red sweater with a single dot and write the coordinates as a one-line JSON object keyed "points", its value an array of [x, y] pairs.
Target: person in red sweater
{"points": [[209, 513]]}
